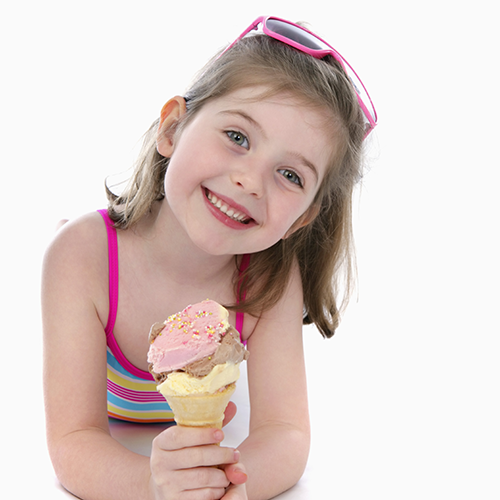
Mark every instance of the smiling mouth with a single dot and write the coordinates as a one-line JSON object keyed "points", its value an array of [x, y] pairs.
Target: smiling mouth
{"points": [[230, 212]]}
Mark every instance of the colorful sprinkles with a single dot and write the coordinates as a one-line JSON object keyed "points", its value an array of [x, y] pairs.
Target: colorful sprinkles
{"points": [[186, 322]]}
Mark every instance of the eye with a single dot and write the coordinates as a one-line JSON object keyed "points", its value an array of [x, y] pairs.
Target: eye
{"points": [[291, 176], [238, 138]]}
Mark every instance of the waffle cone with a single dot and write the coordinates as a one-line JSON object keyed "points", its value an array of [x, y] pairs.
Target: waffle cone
{"points": [[204, 410]]}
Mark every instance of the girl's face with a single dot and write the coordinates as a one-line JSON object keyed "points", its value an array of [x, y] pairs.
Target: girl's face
{"points": [[244, 172]]}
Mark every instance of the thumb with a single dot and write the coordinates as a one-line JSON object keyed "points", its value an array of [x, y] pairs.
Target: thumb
{"points": [[236, 473], [229, 413]]}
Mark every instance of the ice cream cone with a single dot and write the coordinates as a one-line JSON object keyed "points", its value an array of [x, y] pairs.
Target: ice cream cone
{"points": [[201, 410]]}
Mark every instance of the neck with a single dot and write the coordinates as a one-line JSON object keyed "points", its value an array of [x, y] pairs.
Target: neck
{"points": [[169, 248]]}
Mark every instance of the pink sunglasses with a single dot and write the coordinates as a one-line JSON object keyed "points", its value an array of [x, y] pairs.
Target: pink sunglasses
{"points": [[304, 40]]}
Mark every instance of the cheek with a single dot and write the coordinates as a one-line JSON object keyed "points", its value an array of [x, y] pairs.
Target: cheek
{"points": [[282, 222], [181, 165], [289, 208], [176, 183]]}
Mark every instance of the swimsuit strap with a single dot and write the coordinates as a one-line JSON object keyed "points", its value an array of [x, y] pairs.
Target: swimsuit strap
{"points": [[245, 261], [113, 272], [113, 300]]}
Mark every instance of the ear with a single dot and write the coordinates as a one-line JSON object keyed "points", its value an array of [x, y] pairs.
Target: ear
{"points": [[171, 112], [306, 218]]}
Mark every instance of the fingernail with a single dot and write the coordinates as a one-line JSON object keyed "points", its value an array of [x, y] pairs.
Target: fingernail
{"points": [[236, 457], [218, 435], [241, 472]]}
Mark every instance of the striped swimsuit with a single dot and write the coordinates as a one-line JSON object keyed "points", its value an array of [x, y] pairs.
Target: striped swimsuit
{"points": [[132, 394]]}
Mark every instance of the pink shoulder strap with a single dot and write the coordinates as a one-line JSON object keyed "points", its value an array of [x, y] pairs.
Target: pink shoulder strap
{"points": [[113, 272], [113, 301], [245, 261]]}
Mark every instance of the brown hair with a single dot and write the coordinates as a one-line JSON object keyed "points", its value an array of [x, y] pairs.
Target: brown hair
{"points": [[323, 248]]}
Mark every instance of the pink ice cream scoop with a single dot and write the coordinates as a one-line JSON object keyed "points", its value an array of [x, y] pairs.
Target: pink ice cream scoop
{"points": [[188, 336]]}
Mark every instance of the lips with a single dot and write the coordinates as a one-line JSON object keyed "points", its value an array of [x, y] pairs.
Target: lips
{"points": [[228, 210]]}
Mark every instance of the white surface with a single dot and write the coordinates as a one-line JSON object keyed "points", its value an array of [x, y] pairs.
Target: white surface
{"points": [[404, 398]]}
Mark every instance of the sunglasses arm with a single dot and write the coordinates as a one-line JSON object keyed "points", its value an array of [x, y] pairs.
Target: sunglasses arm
{"points": [[252, 27]]}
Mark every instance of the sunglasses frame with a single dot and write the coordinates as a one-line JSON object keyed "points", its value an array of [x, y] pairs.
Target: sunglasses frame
{"points": [[371, 118]]}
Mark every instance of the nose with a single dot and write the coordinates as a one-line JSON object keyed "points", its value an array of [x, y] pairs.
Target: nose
{"points": [[250, 178]]}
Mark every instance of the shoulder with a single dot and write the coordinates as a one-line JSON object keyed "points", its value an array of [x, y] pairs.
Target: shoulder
{"points": [[78, 240], [75, 261], [286, 314], [289, 309], [87, 228]]}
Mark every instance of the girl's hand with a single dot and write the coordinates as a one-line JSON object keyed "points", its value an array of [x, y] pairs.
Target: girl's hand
{"points": [[184, 464]]}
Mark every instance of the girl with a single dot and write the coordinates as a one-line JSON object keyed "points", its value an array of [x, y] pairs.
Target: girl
{"points": [[242, 194]]}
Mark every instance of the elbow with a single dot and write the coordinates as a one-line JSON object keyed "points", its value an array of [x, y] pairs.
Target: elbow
{"points": [[69, 456], [298, 440], [294, 446], [63, 462], [275, 454], [61, 465]]}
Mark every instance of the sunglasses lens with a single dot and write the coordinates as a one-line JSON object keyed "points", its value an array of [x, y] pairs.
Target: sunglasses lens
{"points": [[299, 36], [296, 34]]}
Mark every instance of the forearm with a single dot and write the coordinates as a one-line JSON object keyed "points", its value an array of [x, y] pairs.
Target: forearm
{"points": [[275, 456], [93, 466]]}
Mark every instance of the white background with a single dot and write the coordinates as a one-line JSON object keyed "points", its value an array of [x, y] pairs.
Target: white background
{"points": [[404, 399]]}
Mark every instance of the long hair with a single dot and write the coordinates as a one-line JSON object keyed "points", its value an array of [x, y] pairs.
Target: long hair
{"points": [[324, 247]]}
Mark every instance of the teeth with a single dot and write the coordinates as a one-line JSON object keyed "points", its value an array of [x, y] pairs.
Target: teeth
{"points": [[230, 212]]}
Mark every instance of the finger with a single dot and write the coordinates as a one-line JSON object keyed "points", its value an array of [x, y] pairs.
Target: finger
{"points": [[235, 492], [196, 456], [202, 477], [236, 473], [204, 494], [179, 437], [229, 413]]}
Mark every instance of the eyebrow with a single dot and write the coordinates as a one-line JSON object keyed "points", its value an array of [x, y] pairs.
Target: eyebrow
{"points": [[300, 157], [308, 164], [245, 116]]}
